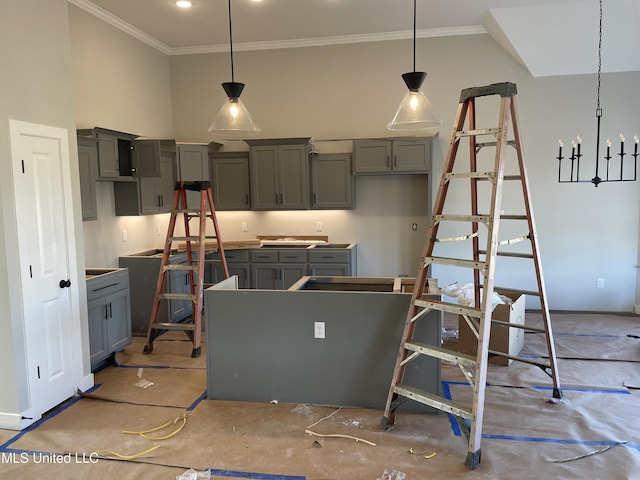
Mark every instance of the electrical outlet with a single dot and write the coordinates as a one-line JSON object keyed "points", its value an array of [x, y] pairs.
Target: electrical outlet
{"points": [[244, 227], [318, 329], [414, 226], [319, 226], [124, 235], [601, 283]]}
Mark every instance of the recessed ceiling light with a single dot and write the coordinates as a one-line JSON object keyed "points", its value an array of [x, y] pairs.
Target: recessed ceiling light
{"points": [[183, 3]]}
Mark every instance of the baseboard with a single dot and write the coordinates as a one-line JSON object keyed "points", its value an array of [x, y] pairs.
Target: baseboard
{"points": [[15, 421], [636, 309]]}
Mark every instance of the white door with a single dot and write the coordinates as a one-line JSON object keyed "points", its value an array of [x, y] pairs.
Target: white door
{"points": [[37, 156]]}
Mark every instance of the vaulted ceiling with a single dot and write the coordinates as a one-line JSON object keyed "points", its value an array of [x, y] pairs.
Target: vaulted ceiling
{"points": [[548, 37]]}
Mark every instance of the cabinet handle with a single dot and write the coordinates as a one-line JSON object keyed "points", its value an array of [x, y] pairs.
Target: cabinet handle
{"points": [[276, 198], [387, 162], [315, 201], [395, 160], [106, 312], [281, 199], [246, 199], [110, 310]]}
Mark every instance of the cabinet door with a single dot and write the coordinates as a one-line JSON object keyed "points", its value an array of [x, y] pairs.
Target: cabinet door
{"points": [[412, 156], [118, 321], [179, 283], [88, 166], [146, 158], [98, 344], [108, 166], [167, 181], [231, 183], [332, 181], [193, 165], [293, 176], [290, 274], [372, 156], [265, 189], [266, 276], [239, 269]]}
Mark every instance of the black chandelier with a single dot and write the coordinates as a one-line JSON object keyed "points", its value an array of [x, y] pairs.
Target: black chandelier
{"points": [[613, 171]]}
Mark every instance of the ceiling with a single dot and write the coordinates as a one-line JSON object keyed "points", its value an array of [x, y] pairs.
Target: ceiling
{"points": [[548, 37]]}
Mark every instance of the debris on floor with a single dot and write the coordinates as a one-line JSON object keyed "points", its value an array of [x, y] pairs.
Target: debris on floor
{"points": [[390, 474]]}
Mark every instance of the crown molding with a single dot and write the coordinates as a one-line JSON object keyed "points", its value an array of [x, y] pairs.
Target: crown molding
{"points": [[336, 40], [129, 29], [120, 24]]}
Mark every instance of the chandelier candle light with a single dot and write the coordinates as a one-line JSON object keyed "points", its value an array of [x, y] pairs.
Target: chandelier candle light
{"points": [[628, 174]]}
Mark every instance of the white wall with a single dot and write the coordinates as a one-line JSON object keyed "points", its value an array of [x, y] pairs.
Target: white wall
{"points": [[36, 86], [351, 91]]}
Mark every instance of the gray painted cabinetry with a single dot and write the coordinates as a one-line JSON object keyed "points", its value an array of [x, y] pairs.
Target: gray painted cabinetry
{"points": [[149, 195], [230, 180], [277, 269], [332, 183], [192, 165], [279, 174], [144, 268], [88, 167], [406, 155], [237, 263], [108, 301]]}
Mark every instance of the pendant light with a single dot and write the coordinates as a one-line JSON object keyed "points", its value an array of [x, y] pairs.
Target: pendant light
{"points": [[415, 111], [233, 120]]}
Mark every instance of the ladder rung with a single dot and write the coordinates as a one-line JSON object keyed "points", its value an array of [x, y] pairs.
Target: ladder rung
{"points": [[512, 177], [180, 266], [508, 254], [478, 131], [480, 145], [455, 262], [173, 326], [457, 408], [521, 359], [176, 296], [513, 217], [518, 325], [441, 353], [464, 218], [482, 175], [533, 293], [449, 307]]}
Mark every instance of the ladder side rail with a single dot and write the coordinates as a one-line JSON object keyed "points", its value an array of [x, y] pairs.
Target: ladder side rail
{"points": [[198, 288], [475, 434], [187, 233], [557, 392], [473, 164], [160, 284], [223, 258], [421, 277]]}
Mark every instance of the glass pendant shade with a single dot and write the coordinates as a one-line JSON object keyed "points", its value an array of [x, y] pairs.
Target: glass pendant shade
{"points": [[415, 111], [234, 120]]}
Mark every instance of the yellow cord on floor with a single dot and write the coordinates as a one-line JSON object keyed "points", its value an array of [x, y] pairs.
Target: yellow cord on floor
{"points": [[143, 433], [126, 457]]}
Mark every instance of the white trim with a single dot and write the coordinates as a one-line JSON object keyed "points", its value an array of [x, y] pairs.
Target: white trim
{"points": [[129, 29], [15, 421], [121, 24], [636, 309]]}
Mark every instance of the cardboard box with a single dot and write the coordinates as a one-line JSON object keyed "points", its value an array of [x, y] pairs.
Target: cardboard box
{"points": [[503, 339]]}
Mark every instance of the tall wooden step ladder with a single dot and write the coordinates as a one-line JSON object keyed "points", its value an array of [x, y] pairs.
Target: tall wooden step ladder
{"points": [[195, 266], [481, 262]]}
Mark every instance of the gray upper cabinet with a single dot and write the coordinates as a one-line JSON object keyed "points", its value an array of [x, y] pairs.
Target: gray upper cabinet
{"points": [[88, 166], [331, 181], [279, 174], [230, 180], [402, 155], [193, 165], [152, 195]]}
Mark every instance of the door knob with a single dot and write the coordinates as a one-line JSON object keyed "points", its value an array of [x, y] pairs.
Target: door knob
{"points": [[65, 283]]}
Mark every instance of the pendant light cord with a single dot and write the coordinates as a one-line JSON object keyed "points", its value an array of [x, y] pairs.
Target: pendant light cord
{"points": [[598, 109], [231, 42], [414, 35]]}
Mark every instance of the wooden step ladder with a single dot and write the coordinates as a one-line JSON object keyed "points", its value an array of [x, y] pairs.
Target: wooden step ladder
{"points": [[192, 326], [482, 262]]}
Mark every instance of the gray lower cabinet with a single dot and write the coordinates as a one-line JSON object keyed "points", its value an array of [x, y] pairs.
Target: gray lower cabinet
{"points": [[230, 180], [332, 183], [333, 261], [237, 264], [147, 196], [402, 155], [88, 167], [277, 269], [144, 268], [279, 174], [109, 307]]}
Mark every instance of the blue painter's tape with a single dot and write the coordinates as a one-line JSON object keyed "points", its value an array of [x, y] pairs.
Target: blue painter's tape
{"points": [[197, 401], [253, 476]]}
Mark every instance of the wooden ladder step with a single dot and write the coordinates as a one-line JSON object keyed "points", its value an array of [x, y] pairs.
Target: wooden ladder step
{"points": [[456, 262], [173, 326], [449, 307], [441, 353], [176, 296], [181, 266], [458, 409]]}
